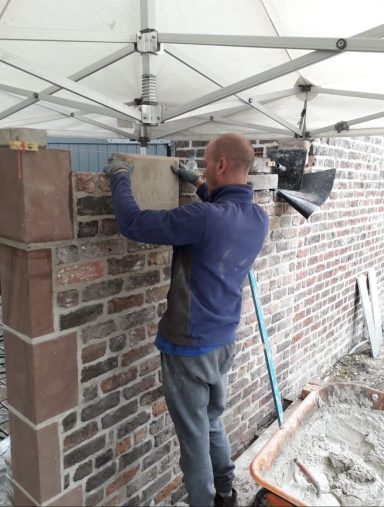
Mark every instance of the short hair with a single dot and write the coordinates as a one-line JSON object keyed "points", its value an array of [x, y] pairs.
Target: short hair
{"points": [[236, 149]]}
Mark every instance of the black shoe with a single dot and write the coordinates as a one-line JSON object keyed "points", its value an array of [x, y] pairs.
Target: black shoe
{"points": [[226, 501]]}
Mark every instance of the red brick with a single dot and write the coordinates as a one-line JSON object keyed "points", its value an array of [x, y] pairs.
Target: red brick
{"points": [[122, 479], [120, 304], [93, 352], [123, 446], [80, 273], [157, 294], [85, 182], [159, 407], [135, 354], [165, 492]]}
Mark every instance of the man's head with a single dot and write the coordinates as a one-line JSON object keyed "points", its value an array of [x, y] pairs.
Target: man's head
{"points": [[228, 159]]}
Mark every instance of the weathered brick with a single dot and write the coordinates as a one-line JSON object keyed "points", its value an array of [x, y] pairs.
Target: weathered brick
{"points": [[104, 248], [95, 498], [140, 435], [139, 280], [84, 451], [85, 182], [136, 336], [159, 258], [168, 489], [157, 294], [93, 352], [82, 471], [135, 246], [159, 407], [164, 436], [129, 426], [68, 298], [104, 458], [123, 446], [120, 304], [101, 477], [109, 227], [139, 387], [89, 393], [149, 365], [117, 343], [156, 455], [88, 229], [95, 370], [80, 273], [95, 205], [69, 421], [80, 435], [104, 182], [119, 414], [119, 379], [122, 479], [157, 485], [151, 396], [126, 264], [130, 457], [101, 406], [137, 353], [81, 316], [137, 318], [99, 331], [67, 254], [102, 290]]}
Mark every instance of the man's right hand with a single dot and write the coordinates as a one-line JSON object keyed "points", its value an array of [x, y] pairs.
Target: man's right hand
{"points": [[186, 174]]}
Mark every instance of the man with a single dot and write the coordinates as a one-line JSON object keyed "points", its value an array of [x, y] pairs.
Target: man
{"points": [[215, 243]]}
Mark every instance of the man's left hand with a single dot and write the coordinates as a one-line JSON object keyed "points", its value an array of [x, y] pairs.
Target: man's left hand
{"points": [[118, 166]]}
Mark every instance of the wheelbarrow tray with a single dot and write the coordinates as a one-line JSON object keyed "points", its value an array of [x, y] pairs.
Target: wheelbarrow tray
{"points": [[265, 459]]}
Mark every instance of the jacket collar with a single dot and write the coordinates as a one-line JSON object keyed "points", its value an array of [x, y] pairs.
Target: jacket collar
{"points": [[232, 192]]}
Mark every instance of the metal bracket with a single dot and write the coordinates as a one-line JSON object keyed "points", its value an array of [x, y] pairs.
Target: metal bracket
{"points": [[147, 41], [151, 114]]}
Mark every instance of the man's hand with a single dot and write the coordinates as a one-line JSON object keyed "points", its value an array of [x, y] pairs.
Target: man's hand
{"points": [[115, 166], [186, 174]]}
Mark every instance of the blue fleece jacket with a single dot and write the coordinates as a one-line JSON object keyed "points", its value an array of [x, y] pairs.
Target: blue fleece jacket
{"points": [[215, 243]]}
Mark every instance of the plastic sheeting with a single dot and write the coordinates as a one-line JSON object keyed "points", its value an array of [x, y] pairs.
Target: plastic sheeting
{"points": [[75, 67]]}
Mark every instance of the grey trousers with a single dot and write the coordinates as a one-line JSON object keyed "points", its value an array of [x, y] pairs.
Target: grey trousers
{"points": [[195, 391]]}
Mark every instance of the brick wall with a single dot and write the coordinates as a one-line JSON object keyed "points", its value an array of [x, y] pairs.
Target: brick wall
{"points": [[117, 443]]}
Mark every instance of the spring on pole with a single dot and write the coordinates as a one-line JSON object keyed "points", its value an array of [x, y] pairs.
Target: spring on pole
{"points": [[148, 83]]}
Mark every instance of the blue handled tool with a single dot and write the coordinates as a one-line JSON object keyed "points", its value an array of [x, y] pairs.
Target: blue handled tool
{"points": [[267, 347]]}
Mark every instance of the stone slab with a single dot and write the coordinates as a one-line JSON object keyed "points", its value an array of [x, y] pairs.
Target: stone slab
{"points": [[41, 384], [263, 181], [38, 136], [36, 459], [26, 285], [153, 183], [35, 196]]}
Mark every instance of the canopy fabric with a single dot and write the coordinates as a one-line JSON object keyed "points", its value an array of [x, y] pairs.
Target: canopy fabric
{"points": [[147, 69]]}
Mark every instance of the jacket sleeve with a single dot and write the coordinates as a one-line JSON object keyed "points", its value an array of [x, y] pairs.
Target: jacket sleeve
{"points": [[179, 226], [202, 192]]}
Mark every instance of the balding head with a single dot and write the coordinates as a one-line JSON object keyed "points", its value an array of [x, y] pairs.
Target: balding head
{"points": [[236, 149]]}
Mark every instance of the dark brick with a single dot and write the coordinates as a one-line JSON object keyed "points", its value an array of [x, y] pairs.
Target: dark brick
{"points": [[66, 481], [83, 452], [116, 305], [156, 425], [104, 248], [119, 414], [67, 254], [88, 229], [89, 393], [138, 280], [81, 316], [138, 318], [102, 289], [199, 143], [100, 478], [97, 369], [78, 436], [139, 387], [95, 205], [125, 264], [156, 455], [101, 330], [156, 486], [133, 455], [164, 436], [102, 459], [137, 353], [120, 379], [93, 352], [82, 471], [69, 421], [117, 343], [68, 298], [182, 144], [161, 307], [132, 424], [100, 406], [109, 227], [151, 396]]}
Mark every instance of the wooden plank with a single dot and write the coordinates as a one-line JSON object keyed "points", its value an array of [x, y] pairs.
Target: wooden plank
{"points": [[368, 314], [374, 296]]}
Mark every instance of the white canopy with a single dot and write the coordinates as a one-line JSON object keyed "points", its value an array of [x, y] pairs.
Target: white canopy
{"points": [[192, 69]]}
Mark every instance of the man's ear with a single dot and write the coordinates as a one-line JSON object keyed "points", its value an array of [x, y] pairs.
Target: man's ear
{"points": [[222, 165]]}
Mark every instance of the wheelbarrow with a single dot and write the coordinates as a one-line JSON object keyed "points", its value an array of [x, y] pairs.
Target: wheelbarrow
{"points": [[274, 494]]}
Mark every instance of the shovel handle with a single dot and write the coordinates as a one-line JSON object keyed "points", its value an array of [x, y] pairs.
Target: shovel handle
{"points": [[308, 475]]}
